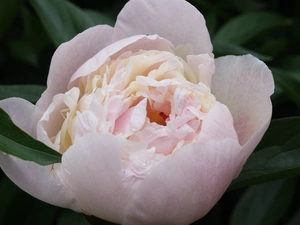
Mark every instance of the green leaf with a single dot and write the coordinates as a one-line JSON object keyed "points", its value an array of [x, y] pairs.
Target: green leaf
{"points": [[23, 52], [289, 82], [279, 158], [243, 28], [295, 220], [291, 63], [31, 93], [99, 18], [8, 11], [16, 142], [62, 19], [223, 48], [264, 204]]}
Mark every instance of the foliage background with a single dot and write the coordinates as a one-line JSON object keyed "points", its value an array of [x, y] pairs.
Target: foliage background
{"points": [[267, 190]]}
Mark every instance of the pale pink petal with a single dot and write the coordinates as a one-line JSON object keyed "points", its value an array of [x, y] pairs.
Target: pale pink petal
{"points": [[91, 171], [244, 84], [203, 65], [37, 181], [132, 120], [70, 56], [21, 113], [34, 179], [186, 185], [218, 124], [176, 20], [134, 44]]}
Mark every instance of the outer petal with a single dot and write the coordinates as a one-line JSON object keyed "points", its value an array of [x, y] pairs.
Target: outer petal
{"points": [[91, 170], [186, 185], [70, 56], [21, 113], [218, 124], [134, 44], [36, 180], [176, 20], [244, 84]]}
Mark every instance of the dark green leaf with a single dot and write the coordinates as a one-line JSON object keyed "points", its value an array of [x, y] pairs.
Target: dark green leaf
{"points": [[223, 48], [99, 18], [289, 82], [279, 158], [283, 130], [31, 93], [16, 142], [62, 19], [8, 11], [32, 27], [264, 204], [291, 63], [243, 28], [21, 50]]}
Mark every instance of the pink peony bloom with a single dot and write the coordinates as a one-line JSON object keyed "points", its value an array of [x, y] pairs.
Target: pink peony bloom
{"points": [[152, 128]]}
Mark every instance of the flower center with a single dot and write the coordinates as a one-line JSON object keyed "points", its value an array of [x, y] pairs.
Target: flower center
{"points": [[144, 97]]}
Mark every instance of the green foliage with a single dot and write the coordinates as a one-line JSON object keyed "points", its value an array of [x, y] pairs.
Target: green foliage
{"points": [[264, 204], [276, 158], [63, 20], [16, 142], [243, 28], [31, 93]]}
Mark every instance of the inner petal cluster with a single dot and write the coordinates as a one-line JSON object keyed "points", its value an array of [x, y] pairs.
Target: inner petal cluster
{"points": [[145, 99]]}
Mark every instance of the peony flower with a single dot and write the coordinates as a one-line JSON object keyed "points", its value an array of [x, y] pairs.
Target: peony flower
{"points": [[152, 128]]}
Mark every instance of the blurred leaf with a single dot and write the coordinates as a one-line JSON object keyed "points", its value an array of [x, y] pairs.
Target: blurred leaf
{"points": [[264, 204], [16, 142], [248, 5], [211, 23], [66, 217], [222, 48], [31, 93], [23, 52], [243, 28], [289, 82], [291, 63], [17, 207], [8, 11], [274, 46], [62, 19], [295, 220], [35, 34], [279, 158], [99, 18], [283, 130]]}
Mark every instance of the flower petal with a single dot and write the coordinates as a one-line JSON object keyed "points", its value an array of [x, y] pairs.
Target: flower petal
{"points": [[70, 56], [218, 124], [37, 181], [21, 113], [134, 44], [244, 84], [186, 185], [34, 179], [91, 171], [176, 20]]}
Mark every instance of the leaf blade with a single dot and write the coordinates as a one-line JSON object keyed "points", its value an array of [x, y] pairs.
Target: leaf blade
{"points": [[276, 161], [16, 142]]}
